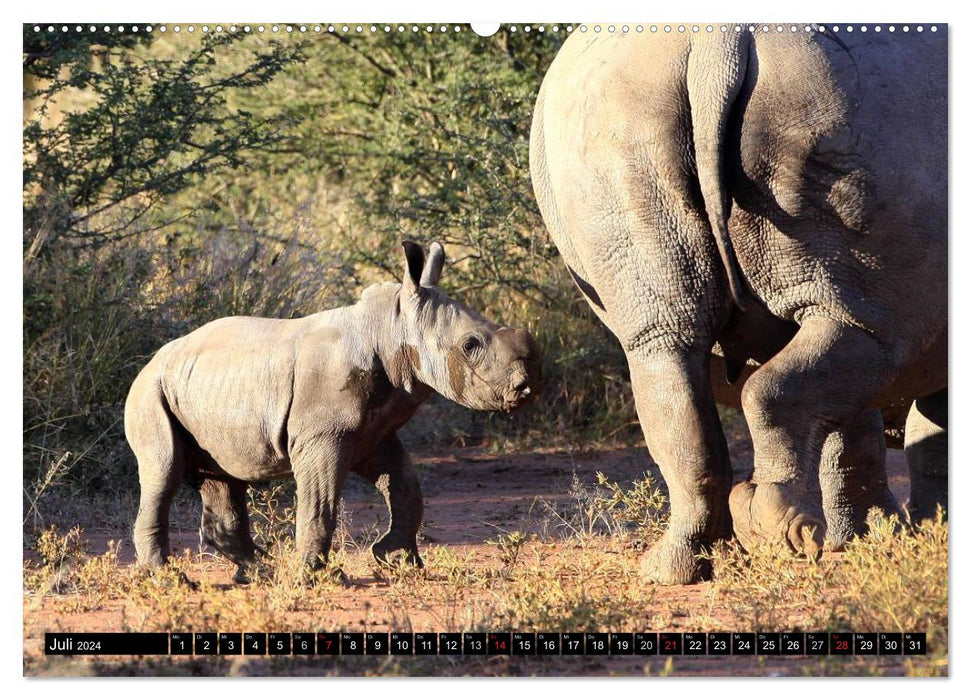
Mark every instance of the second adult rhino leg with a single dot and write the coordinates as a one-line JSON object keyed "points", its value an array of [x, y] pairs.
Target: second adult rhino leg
{"points": [[811, 388], [925, 440], [391, 472], [853, 478]]}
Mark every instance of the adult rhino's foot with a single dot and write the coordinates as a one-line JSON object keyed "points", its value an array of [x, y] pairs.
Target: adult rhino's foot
{"points": [[766, 513], [918, 513], [849, 521], [926, 496], [841, 528], [390, 550], [675, 561]]}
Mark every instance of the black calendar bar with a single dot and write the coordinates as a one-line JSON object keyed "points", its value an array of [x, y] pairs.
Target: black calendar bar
{"points": [[488, 643], [89, 643]]}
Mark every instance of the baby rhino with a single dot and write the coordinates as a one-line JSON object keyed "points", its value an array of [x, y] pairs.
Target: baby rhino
{"points": [[253, 399]]}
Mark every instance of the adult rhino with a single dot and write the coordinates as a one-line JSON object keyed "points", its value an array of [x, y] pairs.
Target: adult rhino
{"points": [[782, 194]]}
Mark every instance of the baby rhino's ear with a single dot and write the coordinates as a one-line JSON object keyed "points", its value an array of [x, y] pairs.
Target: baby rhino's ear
{"points": [[414, 264], [433, 268]]}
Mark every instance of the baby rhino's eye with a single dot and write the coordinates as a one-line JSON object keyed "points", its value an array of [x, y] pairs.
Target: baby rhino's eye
{"points": [[471, 345]]}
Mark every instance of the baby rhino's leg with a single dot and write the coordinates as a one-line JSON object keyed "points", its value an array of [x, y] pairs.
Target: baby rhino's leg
{"points": [[390, 470], [319, 468], [161, 455], [225, 522]]}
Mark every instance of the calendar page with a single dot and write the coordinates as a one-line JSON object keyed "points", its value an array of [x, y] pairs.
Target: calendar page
{"points": [[522, 349]]}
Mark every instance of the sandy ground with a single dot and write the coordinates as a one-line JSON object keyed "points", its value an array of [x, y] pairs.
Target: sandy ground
{"points": [[470, 497]]}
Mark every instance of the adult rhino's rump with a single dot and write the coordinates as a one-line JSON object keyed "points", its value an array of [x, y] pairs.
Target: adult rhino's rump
{"points": [[783, 194]]}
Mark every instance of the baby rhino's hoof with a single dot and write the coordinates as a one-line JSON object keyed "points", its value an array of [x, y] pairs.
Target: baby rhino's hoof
{"points": [[674, 563], [336, 575], [166, 574], [326, 575], [765, 513], [390, 554], [252, 573]]}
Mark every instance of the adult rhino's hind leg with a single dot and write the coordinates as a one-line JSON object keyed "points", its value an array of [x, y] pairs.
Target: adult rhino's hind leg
{"points": [[925, 441], [813, 386], [391, 471], [684, 436], [853, 478], [225, 522]]}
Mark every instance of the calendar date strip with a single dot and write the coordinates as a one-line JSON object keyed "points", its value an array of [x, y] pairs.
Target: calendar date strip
{"points": [[487, 643]]}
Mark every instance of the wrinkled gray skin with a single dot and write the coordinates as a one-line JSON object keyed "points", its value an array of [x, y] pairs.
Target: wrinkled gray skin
{"points": [[783, 195], [253, 399], [853, 476]]}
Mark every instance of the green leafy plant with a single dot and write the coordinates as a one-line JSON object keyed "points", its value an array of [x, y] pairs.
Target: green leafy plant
{"points": [[141, 131]]}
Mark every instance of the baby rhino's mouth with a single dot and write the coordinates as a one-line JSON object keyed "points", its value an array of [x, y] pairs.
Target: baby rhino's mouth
{"points": [[517, 394]]}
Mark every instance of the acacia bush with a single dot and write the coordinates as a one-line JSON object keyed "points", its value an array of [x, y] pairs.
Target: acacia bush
{"points": [[112, 134]]}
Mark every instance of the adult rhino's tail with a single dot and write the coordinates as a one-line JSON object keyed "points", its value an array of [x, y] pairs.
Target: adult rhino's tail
{"points": [[716, 71]]}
